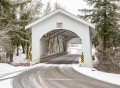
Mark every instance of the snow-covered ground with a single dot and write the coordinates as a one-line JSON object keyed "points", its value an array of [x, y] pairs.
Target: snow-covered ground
{"points": [[21, 58], [7, 72], [6, 83]]}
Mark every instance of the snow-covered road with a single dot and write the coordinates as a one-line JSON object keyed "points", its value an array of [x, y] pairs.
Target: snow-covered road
{"points": [[56, 75]]}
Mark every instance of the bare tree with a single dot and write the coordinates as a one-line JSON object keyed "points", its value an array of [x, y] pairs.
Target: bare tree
{"points": [[47, 9], [57, 6], [6, 43]]}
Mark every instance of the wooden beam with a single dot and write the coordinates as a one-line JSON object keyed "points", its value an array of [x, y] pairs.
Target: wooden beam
{"points": [[52, 33], [56, 35], [68, 38]]}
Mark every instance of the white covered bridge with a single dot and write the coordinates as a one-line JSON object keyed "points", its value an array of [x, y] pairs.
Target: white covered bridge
{"points": [[51, 33]]}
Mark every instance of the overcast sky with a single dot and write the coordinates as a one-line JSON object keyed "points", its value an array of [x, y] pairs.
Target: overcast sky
{"points": [[70, 5]]}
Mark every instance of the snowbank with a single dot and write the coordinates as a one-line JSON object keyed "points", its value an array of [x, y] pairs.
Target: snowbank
{"points": [[7, 72], [6, 84]]}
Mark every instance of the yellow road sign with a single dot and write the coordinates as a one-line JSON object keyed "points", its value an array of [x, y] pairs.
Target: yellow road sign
{"points": [[82, 58], [30, 56]]}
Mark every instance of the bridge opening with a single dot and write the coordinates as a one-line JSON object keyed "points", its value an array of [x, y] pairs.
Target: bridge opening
{"points": [[75, 46], [59, 42]]}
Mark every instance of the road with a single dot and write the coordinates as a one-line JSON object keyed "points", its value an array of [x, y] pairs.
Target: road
{"points": [[58, 76]]}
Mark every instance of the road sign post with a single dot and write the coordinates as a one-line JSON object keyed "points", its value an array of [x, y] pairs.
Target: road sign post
{"points": [[82, 58], [30, 56]]}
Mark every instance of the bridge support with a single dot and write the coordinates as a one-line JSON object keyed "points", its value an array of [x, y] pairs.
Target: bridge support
{"points": [[87, 50]]}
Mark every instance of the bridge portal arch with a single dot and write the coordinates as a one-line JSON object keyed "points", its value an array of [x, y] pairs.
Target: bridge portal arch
{"points": [[56, 42], [61, 20]]}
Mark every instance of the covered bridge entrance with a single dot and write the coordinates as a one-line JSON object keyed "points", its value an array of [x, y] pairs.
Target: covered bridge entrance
{"points": [[51, 34]]}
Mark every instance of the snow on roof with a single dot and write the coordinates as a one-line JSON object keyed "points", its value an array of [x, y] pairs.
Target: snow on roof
{"points": [[63, 12]]}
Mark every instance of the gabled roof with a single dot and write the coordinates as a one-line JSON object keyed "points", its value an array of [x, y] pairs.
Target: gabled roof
{"points": [[63, 12]]}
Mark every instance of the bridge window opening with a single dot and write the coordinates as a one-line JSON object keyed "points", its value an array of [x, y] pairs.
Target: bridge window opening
{"points": [[59, 25], [75, 46]]}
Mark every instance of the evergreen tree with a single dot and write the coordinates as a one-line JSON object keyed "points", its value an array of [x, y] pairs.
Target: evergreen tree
{"points": [[5, 39], [13, 19], [15, 24], [105, 17], [23, 33], [10, 25], [27, 15]]}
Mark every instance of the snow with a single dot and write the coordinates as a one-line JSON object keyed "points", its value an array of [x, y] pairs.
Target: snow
{"points": [[11, 71], [93, 50], [6, 84], [21, 58], [7, 72], [96, 61], [75, 49], [6, 68]]}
